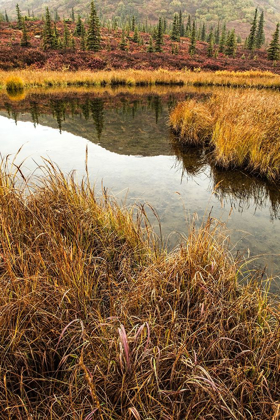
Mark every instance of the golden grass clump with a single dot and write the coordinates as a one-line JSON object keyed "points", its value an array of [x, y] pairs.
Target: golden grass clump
{"points": [[14, 85], [97, 322], [243, 128], [193, 121]]}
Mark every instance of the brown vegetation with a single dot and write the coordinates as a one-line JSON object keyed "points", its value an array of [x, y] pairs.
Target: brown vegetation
{"points": [[97, 322]]}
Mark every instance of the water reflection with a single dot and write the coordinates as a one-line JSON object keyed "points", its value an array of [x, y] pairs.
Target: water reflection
{"points": [[236, 188]]}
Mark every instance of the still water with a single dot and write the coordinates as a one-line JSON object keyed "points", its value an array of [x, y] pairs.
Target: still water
{"points": [[132, 153]]}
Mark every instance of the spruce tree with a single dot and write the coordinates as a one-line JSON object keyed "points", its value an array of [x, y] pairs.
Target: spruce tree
{"points": [[19, 17], [66, 36], [83, 38], [223, 39], [133, 24], [93, 35], [164, 25], [252, 36], [181, 24], [136, 35], [56, 17], [56, 43], [231, 44], [150, 48], [260, 37], [193, 40], [273, 51], [47, 32], [78, 29], [203, 32], [217, 34], [175, 34], [6, 17], [210, 49], [159, 36], [189, 27], [24, 39], [123, 43], [72, 15]]}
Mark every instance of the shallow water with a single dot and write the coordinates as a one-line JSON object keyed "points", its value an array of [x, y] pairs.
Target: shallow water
{"points": [[132, 153]]}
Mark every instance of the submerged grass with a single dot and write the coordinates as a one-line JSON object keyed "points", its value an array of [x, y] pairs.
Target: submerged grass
{"points": [[242, 128], [97, 322], [130, 77]]}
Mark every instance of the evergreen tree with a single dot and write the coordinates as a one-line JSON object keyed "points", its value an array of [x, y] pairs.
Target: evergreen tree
{"points": [[72, 15], [97, 111], [78, 29], [203, 32], [123, 43], [210, 33], [24, 39], [56, 43], [164, 26], [133, 23], [83, 38], [150, 48], [93, 35], [136, 35], [223, 39], [189, 27], [260, 37], [159, 36], [198, 33], [252, 36], [115, 24], [19, 17], [56, 17], [217, 34], [210, 49], [273, 51], [66, 36], [181, 24], [6, 17], [47, 32], [231, 44], [175, 34], [193, 40]]}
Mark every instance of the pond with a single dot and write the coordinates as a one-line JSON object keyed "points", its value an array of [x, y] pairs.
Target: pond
{"points": [[133, 154]]}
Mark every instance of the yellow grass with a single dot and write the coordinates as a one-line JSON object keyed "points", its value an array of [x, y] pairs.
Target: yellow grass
{"points": [[41, 78], [242, 128]]}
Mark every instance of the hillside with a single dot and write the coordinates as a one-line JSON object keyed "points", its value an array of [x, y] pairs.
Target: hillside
{"points": [[239, 12]]}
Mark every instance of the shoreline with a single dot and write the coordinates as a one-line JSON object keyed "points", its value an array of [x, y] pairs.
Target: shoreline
{"points": [[160, 77]]}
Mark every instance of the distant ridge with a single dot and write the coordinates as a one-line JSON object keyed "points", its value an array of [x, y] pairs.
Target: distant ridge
{"points": [[239, 12]]}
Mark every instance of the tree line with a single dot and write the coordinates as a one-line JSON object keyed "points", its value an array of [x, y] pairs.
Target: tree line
{"points": [[218, 37]]}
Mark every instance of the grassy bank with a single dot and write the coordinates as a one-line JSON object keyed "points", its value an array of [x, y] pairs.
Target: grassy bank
{"points": [[37, 78], [241, 127], [97, 322]]}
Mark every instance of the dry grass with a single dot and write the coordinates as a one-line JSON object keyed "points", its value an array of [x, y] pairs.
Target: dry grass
{"points": [[97, 322], [242, 127], [14, 85], [42, 78]]}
